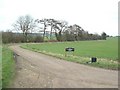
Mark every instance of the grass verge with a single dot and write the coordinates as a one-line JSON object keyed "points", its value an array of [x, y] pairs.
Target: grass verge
{"points": [[101, 62], [8, 66]]}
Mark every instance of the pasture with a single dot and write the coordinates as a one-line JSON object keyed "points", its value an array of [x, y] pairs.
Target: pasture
{"points": [[105, 50]]}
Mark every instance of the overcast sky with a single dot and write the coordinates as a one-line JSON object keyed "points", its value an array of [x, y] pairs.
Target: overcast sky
{"points": [[94, 16]]}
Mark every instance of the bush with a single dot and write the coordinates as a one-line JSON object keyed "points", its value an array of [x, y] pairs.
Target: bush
{"points": [[53, 41], [38, 39], [9, 37]]}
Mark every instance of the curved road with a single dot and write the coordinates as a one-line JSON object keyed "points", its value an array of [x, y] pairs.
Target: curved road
{"points": [[35, 70]]}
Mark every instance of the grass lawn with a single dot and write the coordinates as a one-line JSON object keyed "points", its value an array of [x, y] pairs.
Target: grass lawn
{"points": [[105, 50], [8, 66]]}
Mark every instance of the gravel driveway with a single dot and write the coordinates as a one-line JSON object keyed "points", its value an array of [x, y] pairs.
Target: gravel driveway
{"points": [[35, 70]]}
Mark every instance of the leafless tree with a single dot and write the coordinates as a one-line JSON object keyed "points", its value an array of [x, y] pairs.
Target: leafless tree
{"points": [[25, 24], [45, 23], [51, 22], [60, 26]]}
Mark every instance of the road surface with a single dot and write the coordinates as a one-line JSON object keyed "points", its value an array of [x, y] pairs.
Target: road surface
{"points": [[35, 70]]}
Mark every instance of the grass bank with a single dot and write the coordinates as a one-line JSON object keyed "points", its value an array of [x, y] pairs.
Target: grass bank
{"points": [[8, 66], [105, 50]]}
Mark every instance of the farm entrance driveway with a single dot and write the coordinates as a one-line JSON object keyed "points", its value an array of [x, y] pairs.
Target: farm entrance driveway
{"points": [[35, 70]]}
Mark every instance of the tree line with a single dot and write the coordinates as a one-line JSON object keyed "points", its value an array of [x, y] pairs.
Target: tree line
{"points": [[47, 29]]}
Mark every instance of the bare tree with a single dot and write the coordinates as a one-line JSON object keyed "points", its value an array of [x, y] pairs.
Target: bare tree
{"points": [[56, 25], [60, 26], [25, 24], [51, 22], [45, 23]]}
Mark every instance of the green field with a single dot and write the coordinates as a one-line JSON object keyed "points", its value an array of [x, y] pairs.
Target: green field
{"points": [[8, 66], [105, 50]]}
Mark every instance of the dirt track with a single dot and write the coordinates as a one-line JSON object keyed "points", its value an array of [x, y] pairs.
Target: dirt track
{"points": [[35, 70]]}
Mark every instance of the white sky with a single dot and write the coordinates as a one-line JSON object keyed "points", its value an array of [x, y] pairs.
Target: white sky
{"points": [[94, 16]]}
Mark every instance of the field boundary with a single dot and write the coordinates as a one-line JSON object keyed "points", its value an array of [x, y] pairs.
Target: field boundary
{"points": [[112, 66]]}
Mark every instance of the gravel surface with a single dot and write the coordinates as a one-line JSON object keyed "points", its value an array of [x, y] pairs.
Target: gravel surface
{"points": [[35, 70]]}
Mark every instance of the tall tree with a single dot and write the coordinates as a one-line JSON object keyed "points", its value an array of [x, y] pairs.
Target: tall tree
{"points": [[60, 26], [52, 23], [77, 31], [104, 35], [24, 24], [45, 23]]}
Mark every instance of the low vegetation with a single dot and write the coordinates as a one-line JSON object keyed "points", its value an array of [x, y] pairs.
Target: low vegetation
{"points": [[8, 66], [106, 51]]}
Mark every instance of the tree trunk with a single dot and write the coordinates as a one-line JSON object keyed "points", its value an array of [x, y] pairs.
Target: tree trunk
{"points": [[51, 33], [44, 31]]}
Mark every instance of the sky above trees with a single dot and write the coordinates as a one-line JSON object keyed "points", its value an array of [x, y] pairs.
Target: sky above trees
{"points": [[94, 16]]}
